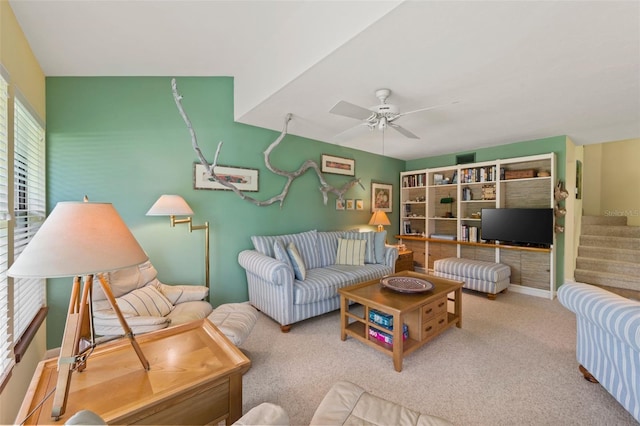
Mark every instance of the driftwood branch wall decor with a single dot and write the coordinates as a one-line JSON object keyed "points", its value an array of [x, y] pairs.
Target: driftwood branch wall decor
{"points": [[324, 188]]}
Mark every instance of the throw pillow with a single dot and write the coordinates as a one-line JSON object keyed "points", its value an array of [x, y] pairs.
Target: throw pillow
{"points": [[369, 237], [350, 252], [280, 252], [145, 301], [299, 269], [380, 240]]}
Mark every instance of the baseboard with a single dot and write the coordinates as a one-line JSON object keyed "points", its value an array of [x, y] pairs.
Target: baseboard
{"points": [[531, 291]]}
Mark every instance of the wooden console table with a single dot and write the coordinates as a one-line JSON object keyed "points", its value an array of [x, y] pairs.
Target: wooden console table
{"points": [[195, 378]]}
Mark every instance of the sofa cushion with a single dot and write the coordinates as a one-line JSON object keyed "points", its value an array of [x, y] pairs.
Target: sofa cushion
{"points": [[299, 268], [189, 311], [323, 283], [145, 301], [306, 242], [183, 293], [380, 241], [280, 251], [369, 237], [351, 251], [328, 247]]}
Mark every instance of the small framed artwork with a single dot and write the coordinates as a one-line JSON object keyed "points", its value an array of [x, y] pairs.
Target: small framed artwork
{"points": [[359, 205], [241, 178], [381, 197], [350, 205], [338, 165], [339, 204]]}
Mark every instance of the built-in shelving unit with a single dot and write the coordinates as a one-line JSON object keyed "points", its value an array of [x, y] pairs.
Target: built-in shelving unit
{"points": [[440, 215]]}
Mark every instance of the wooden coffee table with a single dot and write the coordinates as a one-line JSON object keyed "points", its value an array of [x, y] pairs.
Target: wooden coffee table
{"points": [[426, 314]]}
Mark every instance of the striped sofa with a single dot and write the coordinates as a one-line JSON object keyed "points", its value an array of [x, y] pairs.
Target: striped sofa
{"points": [[274, 289], [608, 340]]}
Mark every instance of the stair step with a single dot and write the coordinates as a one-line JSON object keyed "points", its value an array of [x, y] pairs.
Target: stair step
{"points": [[612, 266], [609, 253], [605, 220], [601, 241], [607, 279], [611, 231]]}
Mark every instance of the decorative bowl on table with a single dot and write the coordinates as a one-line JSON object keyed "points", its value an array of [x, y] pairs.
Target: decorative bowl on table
{"points": [[407, 284]]}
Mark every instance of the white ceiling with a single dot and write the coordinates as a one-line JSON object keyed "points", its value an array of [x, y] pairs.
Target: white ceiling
{"points": [[520, 70]]}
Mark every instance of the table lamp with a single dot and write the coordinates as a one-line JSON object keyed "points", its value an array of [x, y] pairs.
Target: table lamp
{"points": [[379, 218], [175, 205], [80, 239]]}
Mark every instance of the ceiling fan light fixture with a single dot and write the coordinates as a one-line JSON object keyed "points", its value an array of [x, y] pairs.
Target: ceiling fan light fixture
{"points": [[382, 123]]}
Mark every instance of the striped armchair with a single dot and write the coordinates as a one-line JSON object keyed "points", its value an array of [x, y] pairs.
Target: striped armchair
{"points": [[277, 288], [608, 340]]}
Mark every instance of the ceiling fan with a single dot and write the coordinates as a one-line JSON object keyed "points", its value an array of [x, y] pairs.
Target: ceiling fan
{"points": [[377, 117]]}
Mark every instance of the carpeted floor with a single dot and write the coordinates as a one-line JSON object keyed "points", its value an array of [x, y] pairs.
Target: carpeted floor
{"points": [[512, 363]]}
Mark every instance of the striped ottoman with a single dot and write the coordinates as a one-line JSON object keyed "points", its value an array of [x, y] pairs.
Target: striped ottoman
{"points": [[487, 277]]}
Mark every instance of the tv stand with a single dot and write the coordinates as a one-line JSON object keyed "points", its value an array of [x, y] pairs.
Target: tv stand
{"points": [[518, 244]]}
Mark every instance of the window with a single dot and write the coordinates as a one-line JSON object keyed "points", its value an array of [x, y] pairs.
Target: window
{"points": [[22, 304], [6, 360], [29, 208]]}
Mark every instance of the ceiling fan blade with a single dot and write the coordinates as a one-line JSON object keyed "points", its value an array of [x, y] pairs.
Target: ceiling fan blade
{"points": [[426, 109], [350, 133], [350, 110], [403, 131]]}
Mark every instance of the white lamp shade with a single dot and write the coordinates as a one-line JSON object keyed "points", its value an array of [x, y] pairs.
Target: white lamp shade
{"points": [[379, 218], [170, 205], [79, 238]]}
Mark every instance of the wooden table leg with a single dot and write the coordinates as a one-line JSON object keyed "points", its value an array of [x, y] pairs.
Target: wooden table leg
{"points": [[398, 343], [343, 318], [458, 307], [235, 399]]}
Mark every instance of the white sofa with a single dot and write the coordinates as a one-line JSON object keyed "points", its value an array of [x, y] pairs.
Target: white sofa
{"points": [[277, 288], [345, 404], [148, 305]]}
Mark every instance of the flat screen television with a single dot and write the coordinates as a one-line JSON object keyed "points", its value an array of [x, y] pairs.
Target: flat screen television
{"points": [[519, 226]]}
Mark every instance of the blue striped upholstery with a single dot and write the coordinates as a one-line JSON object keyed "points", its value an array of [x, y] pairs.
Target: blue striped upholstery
{"points": [[274, 290], [306, 242], [369, 237], [608, 340], [477, 275]]}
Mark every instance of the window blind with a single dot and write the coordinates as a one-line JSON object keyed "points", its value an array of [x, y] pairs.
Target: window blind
{"points": [[29, 208], [6, 360]]}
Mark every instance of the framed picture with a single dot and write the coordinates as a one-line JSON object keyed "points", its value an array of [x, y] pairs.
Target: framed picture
{"points": [[243, 179], [359, 205], [338, 165], [339, 204], [350, 205], [381, 197]]}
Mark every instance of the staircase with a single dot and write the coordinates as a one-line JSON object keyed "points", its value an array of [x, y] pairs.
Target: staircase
{"points": [[609, 254]]}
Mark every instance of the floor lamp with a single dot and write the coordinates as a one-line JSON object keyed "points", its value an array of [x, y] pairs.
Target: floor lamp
{"points": [[80, 240], [175, 205]]}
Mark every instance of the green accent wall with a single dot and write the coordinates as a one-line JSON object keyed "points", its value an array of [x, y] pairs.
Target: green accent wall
{"points": [[556, 144], [122, 140]]}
